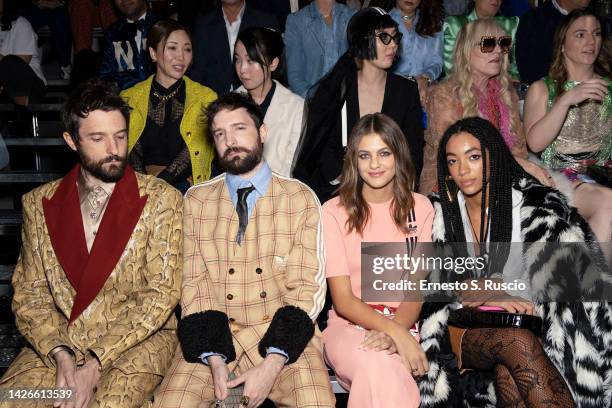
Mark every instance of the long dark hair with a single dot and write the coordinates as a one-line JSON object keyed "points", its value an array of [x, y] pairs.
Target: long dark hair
{"points": [[9, 14], [262, 46], [503, 171], [558, 71], [351, 187], [431, 17]]}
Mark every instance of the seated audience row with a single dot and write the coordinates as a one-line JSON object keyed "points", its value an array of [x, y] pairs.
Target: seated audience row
{"points": [[360, 83], [105, 273], [480, 86]]}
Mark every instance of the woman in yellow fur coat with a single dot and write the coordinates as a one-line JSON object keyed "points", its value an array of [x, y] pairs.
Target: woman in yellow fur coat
{"points": [[167, 130]]}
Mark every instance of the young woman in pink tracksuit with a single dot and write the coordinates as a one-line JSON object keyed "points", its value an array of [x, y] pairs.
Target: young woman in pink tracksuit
{"points": [[370, 346]]}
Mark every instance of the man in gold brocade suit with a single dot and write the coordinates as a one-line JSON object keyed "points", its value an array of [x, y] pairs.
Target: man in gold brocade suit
{"points": [[99, 272]]}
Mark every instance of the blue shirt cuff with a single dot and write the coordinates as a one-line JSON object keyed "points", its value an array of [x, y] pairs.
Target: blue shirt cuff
{"points": [[204, 357], [274, 350]]}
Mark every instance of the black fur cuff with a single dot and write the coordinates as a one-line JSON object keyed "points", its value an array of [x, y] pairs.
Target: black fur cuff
{"points": [[291, 330], [206, 332]]}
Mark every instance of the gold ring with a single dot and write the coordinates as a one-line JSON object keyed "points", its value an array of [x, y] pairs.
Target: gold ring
{"points": [[244, 401]]}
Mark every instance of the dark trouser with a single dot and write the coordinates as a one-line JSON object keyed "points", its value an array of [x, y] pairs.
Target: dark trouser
{"points": [[59, 22], [18, 79]]}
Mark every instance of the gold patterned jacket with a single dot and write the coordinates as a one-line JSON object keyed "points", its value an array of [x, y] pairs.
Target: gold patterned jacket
{"points": [[130, 282]]}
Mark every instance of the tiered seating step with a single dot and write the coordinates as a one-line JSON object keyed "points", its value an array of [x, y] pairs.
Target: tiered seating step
{"points": [[28, 177]]}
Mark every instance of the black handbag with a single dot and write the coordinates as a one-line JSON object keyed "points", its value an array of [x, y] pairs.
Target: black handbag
{"points": [[472, 318]]}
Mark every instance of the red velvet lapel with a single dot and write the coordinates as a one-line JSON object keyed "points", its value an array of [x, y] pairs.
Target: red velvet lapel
{"points": [[65, 225], [118, 223]]}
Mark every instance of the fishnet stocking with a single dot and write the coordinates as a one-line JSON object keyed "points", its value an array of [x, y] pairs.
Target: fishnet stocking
{"points": [[525, 377]]}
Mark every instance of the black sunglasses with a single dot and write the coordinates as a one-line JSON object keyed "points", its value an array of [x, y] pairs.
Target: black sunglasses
{"points": [[386, 38], [487, 43]]}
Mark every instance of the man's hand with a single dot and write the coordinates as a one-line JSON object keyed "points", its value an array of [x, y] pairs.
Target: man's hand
{"points": [[258, 381], [220, 374], [87, 379], [64, 376]]}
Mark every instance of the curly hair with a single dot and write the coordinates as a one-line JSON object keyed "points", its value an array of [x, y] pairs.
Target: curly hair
{"points": [[558, 71], [350, 190], [95, 94], [431, 17], [467, 40]]}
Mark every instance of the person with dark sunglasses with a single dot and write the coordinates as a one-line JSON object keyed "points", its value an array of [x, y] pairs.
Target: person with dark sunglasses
{"points": [[483, 9], [488, 42], [479, 85], [360, 83]]}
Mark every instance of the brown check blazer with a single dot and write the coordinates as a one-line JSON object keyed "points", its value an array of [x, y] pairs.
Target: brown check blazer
{"points": [[279, 263]]}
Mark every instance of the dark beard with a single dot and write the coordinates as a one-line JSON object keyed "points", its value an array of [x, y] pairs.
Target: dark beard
{"points": [[239, 165], [96, 169]]}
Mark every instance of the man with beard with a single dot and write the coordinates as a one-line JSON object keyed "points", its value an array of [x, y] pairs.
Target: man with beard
{"points": [[99, 271], [253, 279]]}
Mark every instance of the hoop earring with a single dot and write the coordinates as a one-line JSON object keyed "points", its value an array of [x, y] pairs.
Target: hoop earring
{"points": [[451, 188]]}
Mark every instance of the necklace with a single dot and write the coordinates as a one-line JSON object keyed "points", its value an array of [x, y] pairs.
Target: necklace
{"points": [[408, 18], [477, 237], [164, 98]]}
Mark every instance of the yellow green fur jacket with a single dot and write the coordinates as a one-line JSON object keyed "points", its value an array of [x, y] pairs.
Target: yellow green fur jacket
{"points": [[193, 124]]}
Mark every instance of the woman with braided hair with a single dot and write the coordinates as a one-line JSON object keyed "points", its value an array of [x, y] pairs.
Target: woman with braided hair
{"points": [[487, 200]]}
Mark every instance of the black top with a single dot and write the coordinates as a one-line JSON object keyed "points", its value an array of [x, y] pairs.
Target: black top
{"points": [[534, 41], [212, 62], [161, 142], [266, 102], [320, 153], [280, 8]]}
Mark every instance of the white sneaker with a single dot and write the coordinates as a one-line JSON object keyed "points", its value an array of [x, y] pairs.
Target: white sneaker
{"points": [[65, 72]]}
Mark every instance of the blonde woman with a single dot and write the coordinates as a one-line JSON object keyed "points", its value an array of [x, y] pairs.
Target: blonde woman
{"points": [[479, 85]]}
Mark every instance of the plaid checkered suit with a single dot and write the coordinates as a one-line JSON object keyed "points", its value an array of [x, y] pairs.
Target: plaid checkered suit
{"points": [[279, 263]]}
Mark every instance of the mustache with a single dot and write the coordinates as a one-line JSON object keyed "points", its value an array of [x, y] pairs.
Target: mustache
{"points": [[112, 158], [237, 149]]}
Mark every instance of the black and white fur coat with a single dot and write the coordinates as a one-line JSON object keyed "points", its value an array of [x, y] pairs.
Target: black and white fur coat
{"points": [[576, 336]]}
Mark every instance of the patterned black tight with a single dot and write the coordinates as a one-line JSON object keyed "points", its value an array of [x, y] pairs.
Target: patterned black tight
{"points": [[525, 377]]}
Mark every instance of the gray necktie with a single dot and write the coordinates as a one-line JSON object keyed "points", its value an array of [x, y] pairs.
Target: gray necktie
{"points": [[243, 212]]}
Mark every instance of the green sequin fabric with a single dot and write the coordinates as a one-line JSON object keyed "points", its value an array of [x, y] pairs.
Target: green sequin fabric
{"points": [[586, 132]]}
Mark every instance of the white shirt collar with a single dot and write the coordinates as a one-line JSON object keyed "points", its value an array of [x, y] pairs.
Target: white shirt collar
{"points": [[558, 7], [141, 18], [238, 19]]}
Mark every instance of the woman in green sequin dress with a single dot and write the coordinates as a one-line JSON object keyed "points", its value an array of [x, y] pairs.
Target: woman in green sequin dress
{"points": [[568, 116]]}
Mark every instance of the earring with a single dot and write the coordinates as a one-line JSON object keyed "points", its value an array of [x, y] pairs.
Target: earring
{"points": [[451, 188]]}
